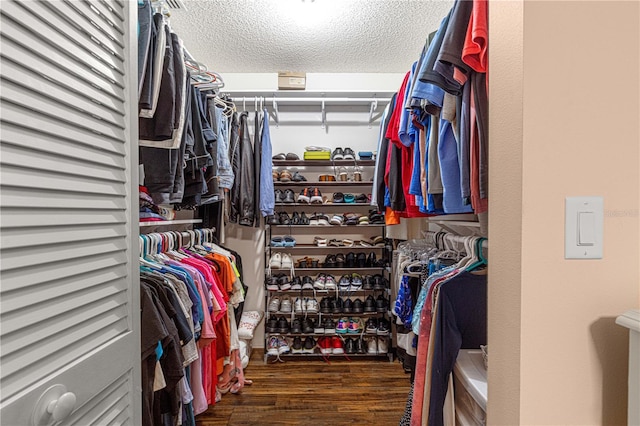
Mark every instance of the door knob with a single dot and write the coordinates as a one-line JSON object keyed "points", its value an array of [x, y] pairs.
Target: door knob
{"points": [[54, 405]]}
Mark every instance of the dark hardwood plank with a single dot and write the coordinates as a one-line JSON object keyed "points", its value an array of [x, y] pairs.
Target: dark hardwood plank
{"points": [[313, 392]]}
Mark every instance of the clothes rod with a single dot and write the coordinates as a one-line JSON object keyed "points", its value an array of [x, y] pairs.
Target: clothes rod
{"points": [[312, 100]]}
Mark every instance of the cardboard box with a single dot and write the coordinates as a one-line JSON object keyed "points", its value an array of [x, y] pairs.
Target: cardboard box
{"points": [[292, 80]]}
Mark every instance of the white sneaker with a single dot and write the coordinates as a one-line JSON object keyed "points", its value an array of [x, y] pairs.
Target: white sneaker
{"points": [[274, 304], [283, 346], [298, 305], [383, 346], [275, 261], [286, 261], [319, 283], [285, 305], [312, 306], [273, 346], [330, 283], [372, 346]]}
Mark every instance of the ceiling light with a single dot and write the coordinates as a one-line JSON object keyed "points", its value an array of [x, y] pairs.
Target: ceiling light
{"points": [[309, 13]]}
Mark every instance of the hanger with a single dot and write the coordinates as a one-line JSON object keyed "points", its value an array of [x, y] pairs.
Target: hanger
{"points": [[480, 260]]}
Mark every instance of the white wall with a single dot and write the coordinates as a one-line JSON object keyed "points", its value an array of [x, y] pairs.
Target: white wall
{"points": [[301, 126]]}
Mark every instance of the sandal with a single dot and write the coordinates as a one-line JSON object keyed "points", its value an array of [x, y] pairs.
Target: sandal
{"points": [[348, 198], [347, 242], [361, 198], [288, 241], [326, 178], [342, 173], [277, 242], [335, 243], [320, 242], [336, 219], [280, 156], [297, 177], [338, 197], [285, 176], [275, 175], [340, 260]]}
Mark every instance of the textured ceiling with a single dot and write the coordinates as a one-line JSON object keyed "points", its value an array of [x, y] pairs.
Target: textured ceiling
{"points": [[307, 35]]}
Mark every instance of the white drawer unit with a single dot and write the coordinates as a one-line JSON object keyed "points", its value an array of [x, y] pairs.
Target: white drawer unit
{"points": [[470, 388]]}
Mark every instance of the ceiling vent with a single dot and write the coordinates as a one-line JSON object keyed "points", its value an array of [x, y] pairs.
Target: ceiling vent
{"points": [[175, 4]]}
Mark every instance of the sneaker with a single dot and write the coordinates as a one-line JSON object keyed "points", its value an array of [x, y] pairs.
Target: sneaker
{"points": [[367, 282], [272, 325], [312, 306], [348, 154], [330, 261], [369, 304], [324, 343], [275, 261], [318, 328], [356, 282], [330, 283], [379, 282], [288, 197], [309, 345], [345, 282], [287, 261], [337, 346], [283, 325], [325, 305], [383, 345], [384, 327], [283, 346], [296, 284], [343, 325], [307, 283], [349, 346], [274, 304], [285, 305], [337, 154], [382, 304], [296, 347], [308, 325], [305, 195], [316, 198], [272, 346], [360, 346], [278, 195], [347, 306], [371, 325], [272, 283], [283, 282], [372, 346], [355, 326], [296, 326], [336, 305], [358, 306], [329, 326], [319, 283]]}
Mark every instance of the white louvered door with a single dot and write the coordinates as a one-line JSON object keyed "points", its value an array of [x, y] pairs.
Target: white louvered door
{"points": [[69, 310]]}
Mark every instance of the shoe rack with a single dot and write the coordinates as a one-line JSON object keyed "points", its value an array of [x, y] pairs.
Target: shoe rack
{"points": [[376, 341]]}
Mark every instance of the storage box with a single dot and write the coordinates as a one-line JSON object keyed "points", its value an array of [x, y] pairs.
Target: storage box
{"points": [[292, 80], [317, 155]]}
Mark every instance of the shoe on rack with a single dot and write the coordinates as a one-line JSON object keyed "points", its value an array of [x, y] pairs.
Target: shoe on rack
{"points": [[358, 306], [287, 261], [296, 326], [330, 283], [305, 195], [371, 260], [372, 325], [275, 261], [348, 154], [284, 219], [338, 198], [304, 220], [316, 196], [369, 304], [324, 343], [329, 326], [336, 219], [285, 305], [382, 305], [360, 346], [322, 219], [277, 242], [278, 196], [355, 326], [325, 305], [285, 176], [307, 326], [319, 283], [299, 305], [318, 328], [273, 344], [336, 305], [272, 325], [372, 346], [356, 282], [272, 283], [335, 243], [378, 282], [307, 283], [343, 176], [361, 260], [283, 282], [343, 325], [349, 346], [384, 327], [309, 345], [288, 197], [297, 177], [367, 282], [312, 306], [296, 347], [345, 282], [362, 199], [340, 259], [337, 345], [274, 304], [347, 306], [350, 260], [283, 325], [319, 241], [273, 219], [295, 218], [337, 154], [330, 261], [383, 345], [296, 284], [283, 346]]}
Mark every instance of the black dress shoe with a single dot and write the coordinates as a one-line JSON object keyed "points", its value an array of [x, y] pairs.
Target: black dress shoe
{"points": [[358, 306], [340, 260], [349, 346], [350, 260], [362, 260], [382, 304], [371, 260], [369, 304]]}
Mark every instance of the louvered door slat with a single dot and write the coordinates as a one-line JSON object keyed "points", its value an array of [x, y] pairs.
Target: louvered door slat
{"points": [[69, 303]]}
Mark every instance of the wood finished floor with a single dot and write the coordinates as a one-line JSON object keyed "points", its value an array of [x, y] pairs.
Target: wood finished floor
{"points": [[312, 392]]}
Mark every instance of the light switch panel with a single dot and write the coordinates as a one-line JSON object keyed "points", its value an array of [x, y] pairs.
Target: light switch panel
{"points": [[583, 227]]}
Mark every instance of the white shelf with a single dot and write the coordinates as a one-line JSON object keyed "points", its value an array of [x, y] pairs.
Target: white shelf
{"points": [[171, 222]]}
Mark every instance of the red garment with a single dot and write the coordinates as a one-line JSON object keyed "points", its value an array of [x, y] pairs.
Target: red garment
{"points": [[476, 43], [480, 205], [394, 123]]}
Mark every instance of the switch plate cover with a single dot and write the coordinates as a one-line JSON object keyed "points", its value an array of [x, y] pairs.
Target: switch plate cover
{"points": [[584, 218]]}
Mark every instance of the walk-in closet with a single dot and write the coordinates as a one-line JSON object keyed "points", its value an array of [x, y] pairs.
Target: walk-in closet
{"points": [[411, 212]]}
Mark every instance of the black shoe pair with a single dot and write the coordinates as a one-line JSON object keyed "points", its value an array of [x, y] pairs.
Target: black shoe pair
{"points": [[299, 219], [287, 197]]}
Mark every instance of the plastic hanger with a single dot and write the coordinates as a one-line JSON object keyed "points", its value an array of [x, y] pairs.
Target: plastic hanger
{"points": [[480, 260]]}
